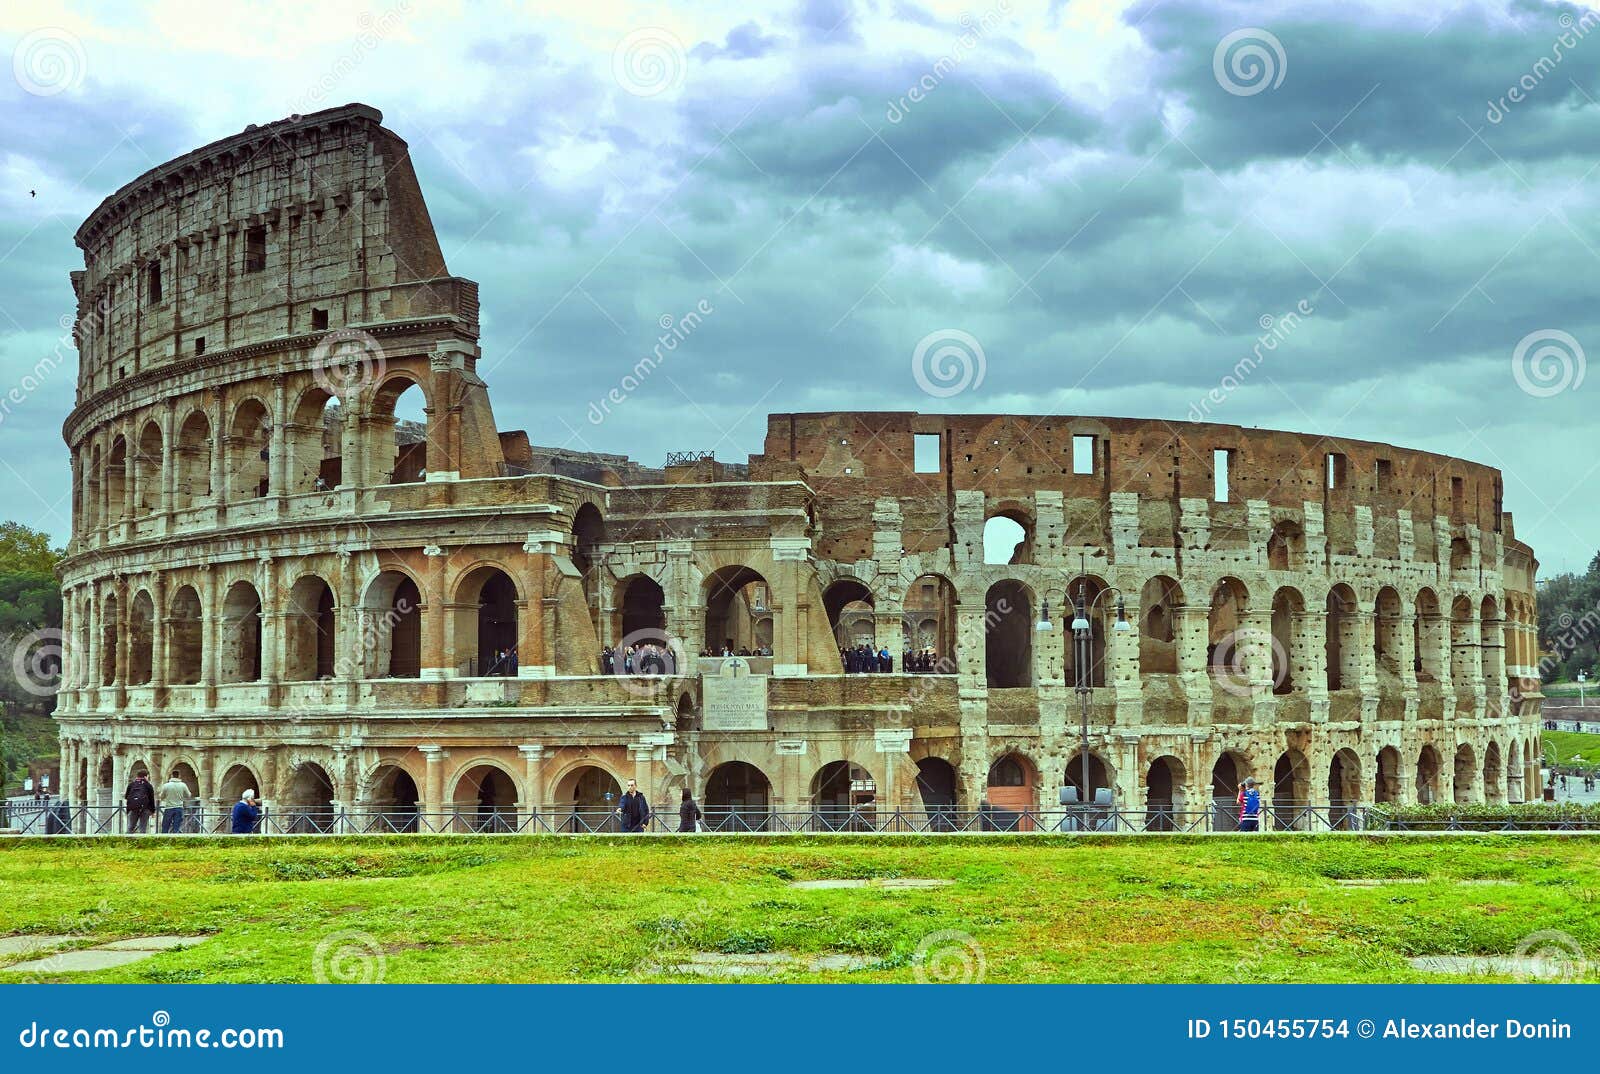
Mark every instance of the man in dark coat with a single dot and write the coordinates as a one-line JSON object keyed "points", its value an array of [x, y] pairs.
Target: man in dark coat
{"points": [[246, 814], [634, 810], [141, 800]]}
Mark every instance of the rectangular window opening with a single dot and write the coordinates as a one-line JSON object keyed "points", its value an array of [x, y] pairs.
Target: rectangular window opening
{"points": [[925, 453], [319, 320], [255, 249], [153, 282], [1221, 462], [199, 344], [1385, 475], [1083, 454], [1458, 495], [1338, 467]]}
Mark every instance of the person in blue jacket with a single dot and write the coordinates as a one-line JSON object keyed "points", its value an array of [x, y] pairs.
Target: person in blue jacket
{"points": [[1249, 806], [246, 814]]}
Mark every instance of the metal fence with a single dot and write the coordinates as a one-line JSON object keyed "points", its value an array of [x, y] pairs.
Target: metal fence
{"points": [[60, 819]]}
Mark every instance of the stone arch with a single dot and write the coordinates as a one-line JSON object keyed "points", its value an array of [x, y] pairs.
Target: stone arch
{"points": [[1291, 790], [1344, 789], [237, 779], [1008, 536], [588, 534], [185, 637], [249, 448], [1287, 606], [1086, 592], [1008, 635], [191, 486], [314, 440], [641, 606], [307, 807], [110, 637], [1102, 778], [736, 597], [1425, 636], [1164, 797], [486, 610], [843, 796], [1387, 613], [485, 797], [939, 787], [1466, 774], [1159, 601], [1427, 779], [141, 638], [1463, 643], [1494, 774], [738, 798], [587, 796], [1230, 600], [1491, 641], [240, 652], [397, 451], [929, 610], [849, 606], [1286, 547], [393, 798], [116, 480], [311, 625], [1343, 638], [391, 637], [1386, 788], [93, 487], [148, 465], [1460, 554]]}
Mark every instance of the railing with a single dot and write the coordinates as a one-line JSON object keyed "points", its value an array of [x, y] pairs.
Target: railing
{"points": [[59, 819]]}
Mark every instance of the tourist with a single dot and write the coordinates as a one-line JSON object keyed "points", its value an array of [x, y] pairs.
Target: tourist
{"points": [[1249, 806], [141, 801], [634, 810], [246, 814], [173, 793], [688, 813]]}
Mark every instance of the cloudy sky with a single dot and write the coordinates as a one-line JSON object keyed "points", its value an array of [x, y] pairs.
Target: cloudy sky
{"points": [[1097, 206]]}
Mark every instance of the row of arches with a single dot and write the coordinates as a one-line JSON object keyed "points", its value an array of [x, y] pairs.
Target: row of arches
{"points": [[207, 461]]}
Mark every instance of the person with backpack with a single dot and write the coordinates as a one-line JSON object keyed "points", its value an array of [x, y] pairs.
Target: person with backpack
{"points": [[688, 813], [1249, 806], [141, 801]]}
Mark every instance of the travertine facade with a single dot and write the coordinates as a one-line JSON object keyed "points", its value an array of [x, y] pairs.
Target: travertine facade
{"points": [[268, 587]]}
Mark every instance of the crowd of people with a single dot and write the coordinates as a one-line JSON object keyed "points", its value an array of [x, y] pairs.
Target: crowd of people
{"points": [[727, 649], [504, 662], [644, 658], [864, 659]]}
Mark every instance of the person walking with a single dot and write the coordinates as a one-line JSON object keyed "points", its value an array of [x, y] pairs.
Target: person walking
{"points": [[1249, 806], [140, 798], [634, 810], [688, 813], [171, 796], [246, 814]]}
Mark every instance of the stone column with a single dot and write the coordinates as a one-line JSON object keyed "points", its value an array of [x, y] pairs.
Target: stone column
{"points": [[1311, 660], [158, 635], [433, 787], [533, 784], [121, 642], [218, 413], [971, 654], [169, 468], [535, 655], [889, 630], [436, 662], [118, 816], [210, 635], [1193, 626], [1255, 642], [786, 595], [1406, 650], [274, 636]]}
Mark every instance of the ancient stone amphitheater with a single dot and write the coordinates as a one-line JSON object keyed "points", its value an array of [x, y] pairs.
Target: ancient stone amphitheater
{"points": [[271, 586]]}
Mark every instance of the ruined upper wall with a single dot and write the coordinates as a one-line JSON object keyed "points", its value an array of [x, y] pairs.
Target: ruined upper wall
{"points": [[306, 224]]}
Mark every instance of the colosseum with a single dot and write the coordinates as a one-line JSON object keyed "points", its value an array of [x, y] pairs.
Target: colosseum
{"points": [[274, 583]]}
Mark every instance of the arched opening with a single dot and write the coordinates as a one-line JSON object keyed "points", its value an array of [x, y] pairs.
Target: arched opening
{"points": [[1159, 602], [311, 631], [1494, 788], [393, 800], [738, 798], [141, 639], [1343, 641], [1287, 606], [849, 604], [1460, 554], [315, 442], [1008, 635], [1428, 767], [1344, 790], [1008, 538], [1466, 773], [185, 638], [309, 805], [147, 466], [110, 638], [1087, 591], [643, 608], [117, 481], [391, 635], [1387, 786], [486, 623], [940, 791], [1514, 774], [235, 781], [930, 626], [1163, 795], [588, 796], [1291, 791], [1426, 640], [588, 534], [398, 448], [1386, 613], [843, 797], [485, 799], [92, 490], [249, 451], [736, 598], [1100, 790], [1012, 792], [1491, 641], [241, 635], [1230, 770], [191, 485], [1463, 645], [1286, 547], [1224, 655]]}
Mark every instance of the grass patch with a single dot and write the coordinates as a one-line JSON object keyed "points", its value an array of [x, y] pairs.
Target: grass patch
{"points": [[1572, 748], [1180, 909]]}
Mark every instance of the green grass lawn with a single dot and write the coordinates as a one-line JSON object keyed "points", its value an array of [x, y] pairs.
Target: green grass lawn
{"points": [[1572, 747], [1261, 908]]}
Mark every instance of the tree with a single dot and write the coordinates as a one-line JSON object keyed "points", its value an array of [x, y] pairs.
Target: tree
{"points": [[1569, 624], [30, 649], [25, 550]]}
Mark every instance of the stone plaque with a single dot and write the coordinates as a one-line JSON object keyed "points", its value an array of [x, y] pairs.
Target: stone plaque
{"points": [[735, 703]]}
